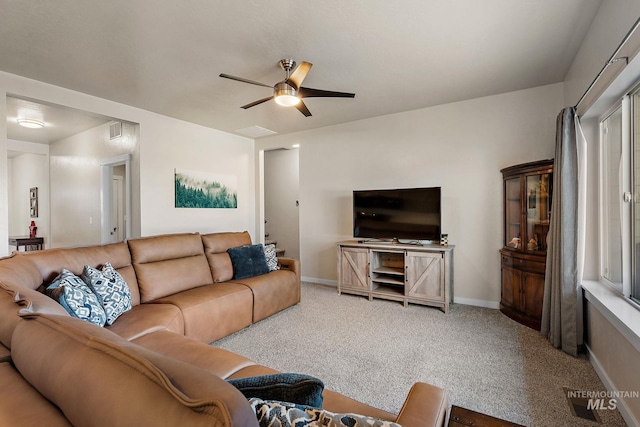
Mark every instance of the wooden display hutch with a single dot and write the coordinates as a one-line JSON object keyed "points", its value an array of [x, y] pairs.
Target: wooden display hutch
{"points": [[418, 274], [528, 190]]}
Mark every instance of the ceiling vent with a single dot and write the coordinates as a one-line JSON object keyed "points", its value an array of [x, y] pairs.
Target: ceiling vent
{"points": [[115, 130], [255, 132]]}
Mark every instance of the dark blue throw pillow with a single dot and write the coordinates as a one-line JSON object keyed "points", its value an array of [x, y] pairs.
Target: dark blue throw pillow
{"points": [[248, 261], [293, 388]]}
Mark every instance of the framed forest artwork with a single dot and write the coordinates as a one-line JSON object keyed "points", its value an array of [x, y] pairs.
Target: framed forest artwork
{"points": [[205, 190]]}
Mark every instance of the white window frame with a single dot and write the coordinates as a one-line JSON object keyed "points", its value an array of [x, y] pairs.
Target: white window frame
{"points": [[625, 187], [627, 179]]}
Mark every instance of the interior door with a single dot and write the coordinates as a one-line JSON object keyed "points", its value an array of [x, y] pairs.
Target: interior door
{"points": [[281, 188], [117, 210]]}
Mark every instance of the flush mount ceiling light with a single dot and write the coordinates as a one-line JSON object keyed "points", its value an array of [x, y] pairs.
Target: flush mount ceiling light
{"points": [[30, 123]]}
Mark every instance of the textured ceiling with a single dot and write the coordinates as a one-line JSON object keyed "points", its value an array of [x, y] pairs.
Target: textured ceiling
{"points": [[396, 56]]}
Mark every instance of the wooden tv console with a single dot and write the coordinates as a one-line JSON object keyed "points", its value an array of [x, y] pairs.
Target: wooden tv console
{"points": [[418, 274]]}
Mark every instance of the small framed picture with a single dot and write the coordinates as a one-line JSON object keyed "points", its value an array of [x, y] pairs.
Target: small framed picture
{"points": [[33, 202]]}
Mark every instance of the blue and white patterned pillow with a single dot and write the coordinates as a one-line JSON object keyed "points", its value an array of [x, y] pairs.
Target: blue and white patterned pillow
{"points": [[272, 259], [111, 289], [76, 297], [282, 414]]}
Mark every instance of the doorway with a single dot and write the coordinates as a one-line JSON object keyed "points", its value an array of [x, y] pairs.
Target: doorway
{"points": [[281, 201], [116, 199], [117, 208]]}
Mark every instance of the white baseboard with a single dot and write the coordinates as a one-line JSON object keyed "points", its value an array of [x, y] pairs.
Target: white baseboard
{"points": [[602, 374], [327, 282], [457, 300], [476, 302]]}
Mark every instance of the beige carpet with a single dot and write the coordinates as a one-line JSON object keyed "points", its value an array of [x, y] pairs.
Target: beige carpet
{"points": [[374, 351]]}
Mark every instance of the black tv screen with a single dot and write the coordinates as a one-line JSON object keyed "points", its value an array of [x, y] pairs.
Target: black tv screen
{"points": [[408, 213]]}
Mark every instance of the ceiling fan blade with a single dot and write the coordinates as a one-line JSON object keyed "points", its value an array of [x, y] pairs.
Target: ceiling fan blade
{"points": [[240, 79], [298, 75], [303, 108], [306, 92], [259, 101]]}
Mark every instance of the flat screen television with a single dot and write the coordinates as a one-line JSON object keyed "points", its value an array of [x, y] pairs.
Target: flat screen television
{"points": [[406, 213]]}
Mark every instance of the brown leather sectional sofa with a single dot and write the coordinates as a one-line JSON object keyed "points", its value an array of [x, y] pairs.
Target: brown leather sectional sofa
{"points": [[153, 366]]}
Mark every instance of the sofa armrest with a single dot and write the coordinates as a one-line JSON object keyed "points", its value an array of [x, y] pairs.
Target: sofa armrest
{"points": [[291, 265], [426, 405]]}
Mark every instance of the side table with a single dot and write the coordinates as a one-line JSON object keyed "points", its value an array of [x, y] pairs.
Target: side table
{"points": [[26, 241]]}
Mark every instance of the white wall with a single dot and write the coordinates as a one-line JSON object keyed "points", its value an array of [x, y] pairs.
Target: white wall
{"points": [[27, 171], [612, 22], [30, 168], [164, 144], [171, 144], [75, 180], [460, 147]]}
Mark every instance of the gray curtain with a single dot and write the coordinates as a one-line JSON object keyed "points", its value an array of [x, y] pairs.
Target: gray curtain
{"points": [[562, 309]]}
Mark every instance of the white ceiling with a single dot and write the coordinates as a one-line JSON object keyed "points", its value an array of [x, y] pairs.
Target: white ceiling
{"points": [[60, 122], [395, 56]]}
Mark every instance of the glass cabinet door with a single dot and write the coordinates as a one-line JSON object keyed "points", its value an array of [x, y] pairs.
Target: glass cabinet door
{"points": [[513, 213], [538, 211]]}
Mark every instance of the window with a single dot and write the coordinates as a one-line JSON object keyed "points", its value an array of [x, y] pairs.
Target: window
{"points": [[620, 197], [611, 206], [635, 188]]}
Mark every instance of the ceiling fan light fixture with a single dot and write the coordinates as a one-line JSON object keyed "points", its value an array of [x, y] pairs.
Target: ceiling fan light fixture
{"points": [[285, 95], [30, 123]]}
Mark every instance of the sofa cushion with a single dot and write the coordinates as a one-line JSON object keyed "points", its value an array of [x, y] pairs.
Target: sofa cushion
{"points": [[19, 270], [51, 261], [272, 292], [144, 319], [76, 297], [248, 261], [117, 383], [22, 405], [15, 299], [169, 264], [288, 387], [215, 247], [213, 311], [110, 288], [285, 414], [217, 361]]}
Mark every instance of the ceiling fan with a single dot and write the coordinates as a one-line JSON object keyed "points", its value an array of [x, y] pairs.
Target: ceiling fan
{"points": [[290, 91]]}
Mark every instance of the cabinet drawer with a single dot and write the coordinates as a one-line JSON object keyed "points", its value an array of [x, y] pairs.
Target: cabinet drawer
{"points": [[534, 266], [507, 261]]}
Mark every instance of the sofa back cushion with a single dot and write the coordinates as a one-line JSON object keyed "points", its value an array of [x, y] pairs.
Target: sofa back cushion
{"points": [[169, 264], [50, 263], [18, 269], [15, 299], [216, 245], [97, 378]]}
